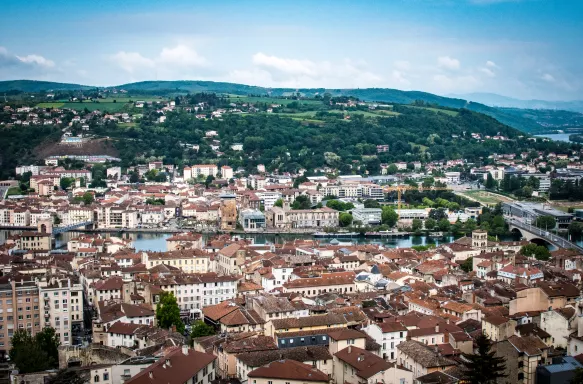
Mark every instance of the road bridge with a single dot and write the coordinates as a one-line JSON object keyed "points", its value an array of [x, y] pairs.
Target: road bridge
{"points": [[71, 227], [530, 232]]}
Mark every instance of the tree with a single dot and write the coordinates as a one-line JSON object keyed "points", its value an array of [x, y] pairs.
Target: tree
{"points": [[38, 353], [88, 198], [209, 180], [69, 376], [134, 177], [430, 224], [437, 214], [369, 203], [443, 225], [467, 265], [484, 367], [538, 251], [389, 216], [545, 222], [66, 182], [576, 228], [490, 182], [168, 312], [200, 329], [302, 202], [416, 225], [345, 219], [278, 203]]}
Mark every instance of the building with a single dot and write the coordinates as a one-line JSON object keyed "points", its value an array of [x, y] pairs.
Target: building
{"points": [[226, 172], [529, 212], [422, 359], [180, 366], [452, 177], [288, 372], [367, 216], [522, 356], [388, 335], [61, 306], [19, 302], [286, 218], [252, 220], [35, 241]]}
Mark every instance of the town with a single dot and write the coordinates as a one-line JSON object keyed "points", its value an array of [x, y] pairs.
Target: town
{"points": [[307, 192]]}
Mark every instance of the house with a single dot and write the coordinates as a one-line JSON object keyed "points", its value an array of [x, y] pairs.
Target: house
{"points": [[498, 327], [560, 323], [288, 371], [422, 359], [180, 366], [388, 335], [522, 355], [353, 365]]}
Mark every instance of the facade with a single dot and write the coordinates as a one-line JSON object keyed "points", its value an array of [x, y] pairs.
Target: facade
{"points": [[285, 218], [61, 306], [367, 216], [20, 309]]}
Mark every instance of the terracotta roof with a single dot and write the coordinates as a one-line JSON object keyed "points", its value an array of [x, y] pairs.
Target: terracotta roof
{"points": [[531, 345], [310, 321], [366, 363], [174, 368], [424, 354], [289, 370], [346, 334], [303, 354]]}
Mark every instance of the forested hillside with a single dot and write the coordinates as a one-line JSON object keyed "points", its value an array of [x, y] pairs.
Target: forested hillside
{"points": [[524, 122]]}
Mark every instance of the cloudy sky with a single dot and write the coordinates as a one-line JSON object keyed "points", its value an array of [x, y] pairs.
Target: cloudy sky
{"points": [[520, 48]]}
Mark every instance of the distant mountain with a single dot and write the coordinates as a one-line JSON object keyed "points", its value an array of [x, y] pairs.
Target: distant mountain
{"points": [[38, 86], [525, 123], [495, 100]]}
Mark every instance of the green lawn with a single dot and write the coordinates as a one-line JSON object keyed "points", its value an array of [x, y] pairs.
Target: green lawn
{"points": [[486, 198], [12, 191], [269, 100]]}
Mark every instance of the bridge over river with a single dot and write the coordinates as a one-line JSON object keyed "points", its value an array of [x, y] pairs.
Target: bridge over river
{"points": [[530, 232]]}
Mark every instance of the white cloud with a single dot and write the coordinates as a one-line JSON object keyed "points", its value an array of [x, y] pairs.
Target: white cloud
{"points": [[132, 61], [548, 77], [31, 61], [487, 71], [181, 55], [402, 65], [448, 63], [167, 60], [400, 77], [290, 66], [37, 60], [274, 71], [491, 64]]}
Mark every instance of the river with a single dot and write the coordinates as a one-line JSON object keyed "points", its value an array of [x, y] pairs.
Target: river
{"points": [[557, 136], [157, 241]]}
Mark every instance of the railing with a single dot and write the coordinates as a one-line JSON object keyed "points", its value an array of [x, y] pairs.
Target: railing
{"points": [[548, 236], [57, 230]]}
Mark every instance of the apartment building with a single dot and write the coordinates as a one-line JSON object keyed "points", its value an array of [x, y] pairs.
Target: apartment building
{"points": [[19, 309], [61, 306], [309, 218], [189, 261], [35, 241], [201, 169]]}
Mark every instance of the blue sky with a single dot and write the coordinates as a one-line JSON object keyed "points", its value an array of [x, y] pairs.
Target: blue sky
{"points": [[521, 48]]}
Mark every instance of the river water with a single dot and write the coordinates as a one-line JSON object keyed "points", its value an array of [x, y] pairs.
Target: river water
{"points": [[557, 136], [157, 241]]}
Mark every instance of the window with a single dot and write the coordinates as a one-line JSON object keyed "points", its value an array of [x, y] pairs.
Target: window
{"points": [[96, 379], [105, 376]]}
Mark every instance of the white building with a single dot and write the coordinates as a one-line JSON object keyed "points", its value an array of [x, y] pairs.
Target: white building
{"points": [[61, 306]]}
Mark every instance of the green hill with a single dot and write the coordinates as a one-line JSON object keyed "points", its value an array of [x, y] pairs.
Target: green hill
{"points": [[35, 86], [524, 122]]}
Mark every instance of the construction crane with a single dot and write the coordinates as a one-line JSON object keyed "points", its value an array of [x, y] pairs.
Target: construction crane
{"points": [[404, 187]]}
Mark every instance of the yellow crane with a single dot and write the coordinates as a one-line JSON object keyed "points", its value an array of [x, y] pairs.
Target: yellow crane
{"points": [[404, 187]]}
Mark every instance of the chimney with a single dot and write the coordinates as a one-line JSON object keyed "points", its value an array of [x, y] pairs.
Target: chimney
{"points": [[151, 374], [437, 328], [350, 349], [168, 363], [185, 350]]}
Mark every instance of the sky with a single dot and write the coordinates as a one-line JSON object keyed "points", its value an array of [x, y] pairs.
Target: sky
{"points": [[527, 49]]}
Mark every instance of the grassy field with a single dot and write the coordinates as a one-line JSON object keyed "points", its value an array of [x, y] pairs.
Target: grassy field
{"points": [[565, 205], [436, 110], [56, 104], [13, 191], [102, 106], [269, 100], [486, 198]]}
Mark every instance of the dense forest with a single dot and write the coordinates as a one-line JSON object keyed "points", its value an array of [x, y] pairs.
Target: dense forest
{"points": [[286, 144]]}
